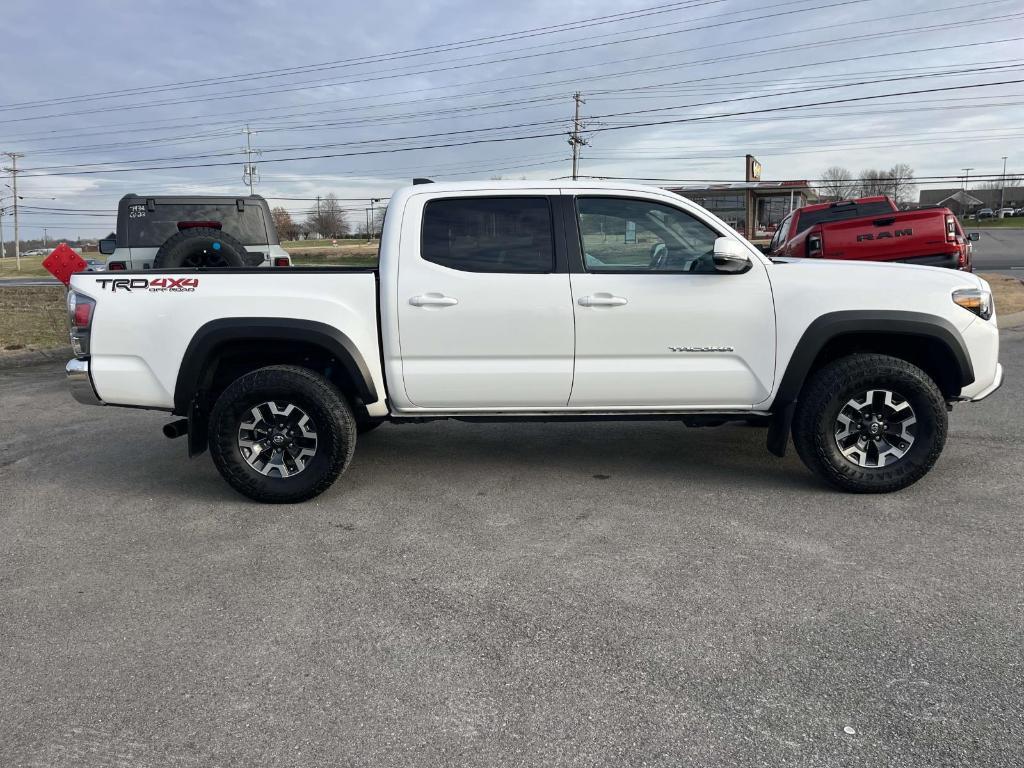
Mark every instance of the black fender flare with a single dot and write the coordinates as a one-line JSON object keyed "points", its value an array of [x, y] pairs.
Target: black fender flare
{"points": [[209, 338], [835, 324]]}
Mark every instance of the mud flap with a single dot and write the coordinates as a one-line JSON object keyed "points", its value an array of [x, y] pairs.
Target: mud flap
{"points": [[198, 434], [778, 430]]}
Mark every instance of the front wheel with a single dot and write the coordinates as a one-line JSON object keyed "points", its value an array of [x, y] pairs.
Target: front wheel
{"points": [[870, 423], [281, 434]]}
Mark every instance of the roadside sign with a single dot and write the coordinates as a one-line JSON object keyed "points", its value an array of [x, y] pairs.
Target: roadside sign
{"points": [[63, 262]]}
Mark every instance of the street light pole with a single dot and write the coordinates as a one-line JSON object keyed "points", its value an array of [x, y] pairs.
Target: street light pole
{"points": [[1002, 185]]}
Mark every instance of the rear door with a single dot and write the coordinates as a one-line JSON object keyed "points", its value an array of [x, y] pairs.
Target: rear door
{"points": [[485, 314], [656, 326]]}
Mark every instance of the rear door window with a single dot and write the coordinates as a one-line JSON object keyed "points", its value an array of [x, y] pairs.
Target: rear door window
{"points": [[489, 234], [150, 229]]}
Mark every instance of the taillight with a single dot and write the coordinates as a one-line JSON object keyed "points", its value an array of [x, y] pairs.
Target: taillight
{"points": [[116, 266], [80, 311], [814, 246], [282, 261], [950, 228]]}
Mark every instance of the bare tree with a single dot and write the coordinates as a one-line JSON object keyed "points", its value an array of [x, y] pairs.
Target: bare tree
{"points": [[901, 183], [1012, 180], [328, 219], [837, 183], [874, 182], [284, 224]]}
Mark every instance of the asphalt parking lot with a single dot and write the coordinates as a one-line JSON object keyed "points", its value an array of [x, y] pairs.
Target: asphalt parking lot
{"points": [[1000, 250], [572, 594]]}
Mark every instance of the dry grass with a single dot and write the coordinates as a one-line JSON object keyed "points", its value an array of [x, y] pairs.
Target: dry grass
{"points": [[1008, 292], [32, 318], [31, 266]]}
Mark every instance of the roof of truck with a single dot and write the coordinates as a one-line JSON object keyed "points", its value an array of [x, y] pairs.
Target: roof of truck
{"points": [[537, 185]]}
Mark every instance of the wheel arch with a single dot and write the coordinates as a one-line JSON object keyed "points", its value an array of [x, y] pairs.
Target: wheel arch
{"points": [[928, 341], [226, 348]]}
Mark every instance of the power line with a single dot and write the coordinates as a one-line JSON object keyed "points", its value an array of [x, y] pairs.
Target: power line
{"points": [[440, 47], [717, 78], [536, 124], [362, 79]]}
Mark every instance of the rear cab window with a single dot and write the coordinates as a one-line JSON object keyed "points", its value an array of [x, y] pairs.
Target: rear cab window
{"points": [[489, 234], [808, 219]]}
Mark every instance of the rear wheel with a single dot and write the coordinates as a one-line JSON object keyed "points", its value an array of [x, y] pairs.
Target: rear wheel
{"points": [[870, 423], [281, 434]]}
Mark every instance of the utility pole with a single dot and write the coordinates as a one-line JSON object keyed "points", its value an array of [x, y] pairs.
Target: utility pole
{"points": [[1002, 185], [967, 176], [14, 188], [575, 139], [44, 238], [3, 246], [249, 173]]}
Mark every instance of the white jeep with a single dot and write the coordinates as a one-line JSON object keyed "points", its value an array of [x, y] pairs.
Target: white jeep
{"points": [[161, 232]]}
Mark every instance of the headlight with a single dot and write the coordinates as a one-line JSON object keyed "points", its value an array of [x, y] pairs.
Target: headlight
{"points": [[975, 300]]}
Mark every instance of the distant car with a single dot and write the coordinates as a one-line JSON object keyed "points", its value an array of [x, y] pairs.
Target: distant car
{"points": [[95, 265], [1005, 213], [986, 213], [1019, 212]]}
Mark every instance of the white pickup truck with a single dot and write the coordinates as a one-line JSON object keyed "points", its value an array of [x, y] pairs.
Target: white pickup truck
{"points": [[541, 301]]}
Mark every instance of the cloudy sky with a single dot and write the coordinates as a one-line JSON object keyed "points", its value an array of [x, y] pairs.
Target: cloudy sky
{"points": [[105, 97]]}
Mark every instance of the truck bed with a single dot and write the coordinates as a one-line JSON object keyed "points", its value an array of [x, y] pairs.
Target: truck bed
{"points": [[144, 321]]}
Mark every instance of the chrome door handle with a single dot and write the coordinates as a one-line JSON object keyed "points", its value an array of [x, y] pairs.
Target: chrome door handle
{"points": [[601, 300], [433, 300]]}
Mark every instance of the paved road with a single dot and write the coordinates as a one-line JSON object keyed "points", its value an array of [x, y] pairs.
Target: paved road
{"points": [[25, 282], [1000, 250], [483, 595]]}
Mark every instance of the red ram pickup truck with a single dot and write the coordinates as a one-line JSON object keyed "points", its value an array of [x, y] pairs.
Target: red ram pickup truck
{"points": [[874, 229]]}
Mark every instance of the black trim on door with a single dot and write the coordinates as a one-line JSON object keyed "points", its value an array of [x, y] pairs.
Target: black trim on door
{"points": [[571, 226]]}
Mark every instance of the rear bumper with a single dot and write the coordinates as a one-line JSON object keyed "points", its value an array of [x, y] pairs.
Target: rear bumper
{"points": [[996, 384], [80, 383]]}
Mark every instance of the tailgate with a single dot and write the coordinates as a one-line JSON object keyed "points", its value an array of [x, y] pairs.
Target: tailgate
{"points": [[903, 235]]}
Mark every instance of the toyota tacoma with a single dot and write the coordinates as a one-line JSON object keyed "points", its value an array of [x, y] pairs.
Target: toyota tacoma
{"points": [[541, 301]]}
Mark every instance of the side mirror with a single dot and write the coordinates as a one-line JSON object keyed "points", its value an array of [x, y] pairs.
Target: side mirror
{"points": [[974, 236], [730, 257], [108, 246]]}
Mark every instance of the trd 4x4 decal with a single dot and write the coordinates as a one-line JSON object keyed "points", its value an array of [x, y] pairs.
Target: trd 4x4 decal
{"points": [[156, 285]]}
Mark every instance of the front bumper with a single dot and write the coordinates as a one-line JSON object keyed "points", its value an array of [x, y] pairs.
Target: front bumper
{"points": [[997, 382], [80, 383]]}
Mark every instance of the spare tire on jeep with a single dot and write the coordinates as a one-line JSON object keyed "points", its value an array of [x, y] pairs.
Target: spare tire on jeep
{"points": [[203, 247]]}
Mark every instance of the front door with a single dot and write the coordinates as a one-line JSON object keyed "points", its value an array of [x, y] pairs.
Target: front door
{"points": [[656, 326], [485, 314]]}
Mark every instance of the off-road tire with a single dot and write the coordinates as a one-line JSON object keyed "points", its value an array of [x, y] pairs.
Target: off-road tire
{"points": [[309, 391], [831, 387], [202, 247]]}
